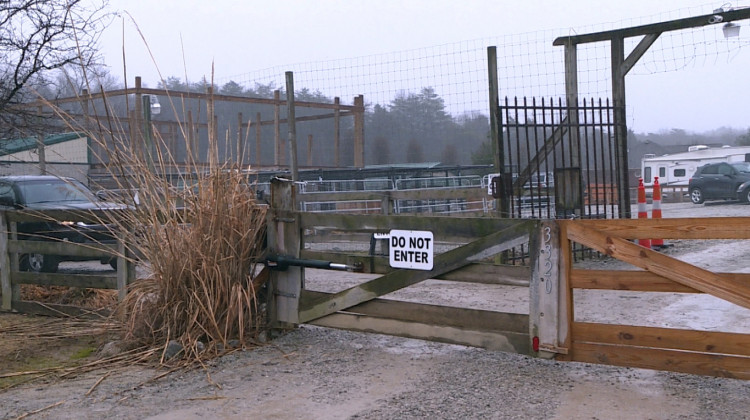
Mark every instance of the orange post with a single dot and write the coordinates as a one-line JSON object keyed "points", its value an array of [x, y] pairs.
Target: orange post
{"points": [[656, 210], [642, 212]]}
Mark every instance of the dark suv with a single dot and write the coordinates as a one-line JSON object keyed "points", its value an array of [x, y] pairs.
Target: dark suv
{"points": [[717, 181], [34, 193]]}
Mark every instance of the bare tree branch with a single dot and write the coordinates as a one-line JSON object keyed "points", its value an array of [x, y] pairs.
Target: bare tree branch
{"points": [[37, 39]]}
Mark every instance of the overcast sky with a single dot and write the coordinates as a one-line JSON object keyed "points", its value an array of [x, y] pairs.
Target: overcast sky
{"points": [[187, 37]]}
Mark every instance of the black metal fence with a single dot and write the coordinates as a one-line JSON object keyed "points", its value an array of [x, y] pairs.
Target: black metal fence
{"points": [[559, 160]]}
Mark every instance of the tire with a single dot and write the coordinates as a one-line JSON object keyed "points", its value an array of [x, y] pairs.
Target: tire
{"points": [[696, 196], [40, 263], [745, 196]]}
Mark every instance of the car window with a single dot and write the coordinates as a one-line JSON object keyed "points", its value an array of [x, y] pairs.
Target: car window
{"points": [[710, 170], [6, 191], [742, 166], [54, 191], [725, 169]]}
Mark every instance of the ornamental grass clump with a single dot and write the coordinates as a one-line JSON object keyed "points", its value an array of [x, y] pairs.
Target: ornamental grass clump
{"points": [[196, 233], [202, 288]]}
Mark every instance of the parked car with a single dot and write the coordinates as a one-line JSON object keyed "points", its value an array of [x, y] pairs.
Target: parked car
{"points": [[34, 193], [720, 181]]}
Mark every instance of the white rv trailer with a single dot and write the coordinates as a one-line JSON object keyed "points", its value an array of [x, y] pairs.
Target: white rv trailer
{"points": [[676, 169]]}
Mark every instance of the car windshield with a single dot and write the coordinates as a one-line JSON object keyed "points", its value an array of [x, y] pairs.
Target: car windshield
{"points": [[54, 191], [742, 166]]}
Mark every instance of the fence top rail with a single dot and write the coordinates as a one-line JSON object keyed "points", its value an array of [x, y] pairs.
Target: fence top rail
{"points": [[467, 227], [671, 228], [86, 216]]}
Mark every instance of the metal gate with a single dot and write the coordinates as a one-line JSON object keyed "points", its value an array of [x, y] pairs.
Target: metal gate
{"points": [[559, 160]]}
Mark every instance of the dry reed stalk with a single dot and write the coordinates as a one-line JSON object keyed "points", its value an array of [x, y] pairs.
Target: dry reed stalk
{"points": [[200, 242]]}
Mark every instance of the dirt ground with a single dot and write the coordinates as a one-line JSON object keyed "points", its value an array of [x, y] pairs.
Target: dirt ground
{"points": [[323, 373]]}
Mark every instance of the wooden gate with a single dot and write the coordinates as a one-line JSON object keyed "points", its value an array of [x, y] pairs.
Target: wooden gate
{"points": [[682, 350], [360, 308]]}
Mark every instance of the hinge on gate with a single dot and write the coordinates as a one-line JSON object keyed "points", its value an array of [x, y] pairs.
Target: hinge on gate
{"points": [[553, 349]]}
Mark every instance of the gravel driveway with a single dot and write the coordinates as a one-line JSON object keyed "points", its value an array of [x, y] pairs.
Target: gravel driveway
{"points": [[318, 373]]}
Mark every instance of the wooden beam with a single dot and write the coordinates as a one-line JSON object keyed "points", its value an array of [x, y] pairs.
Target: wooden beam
{"points": [[448, 316], [455, 227], [638, 281], [443, 263], [632, 280], [662, 265], [672, 25], [672, 228], [483, 273], [638, 52], [662, 359], [664, 338], [59, 247], [92, 281], [498, 341]]}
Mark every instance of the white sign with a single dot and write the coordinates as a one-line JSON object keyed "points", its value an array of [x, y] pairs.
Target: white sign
{"points": [[412, 249]]}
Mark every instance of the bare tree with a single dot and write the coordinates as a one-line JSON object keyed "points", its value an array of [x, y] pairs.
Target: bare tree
{"points": [[39, 38]]}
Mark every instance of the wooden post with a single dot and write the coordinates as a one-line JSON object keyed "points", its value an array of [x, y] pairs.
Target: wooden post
{"points": [[359, 132], [138, 142], [5, 283], [337, 132], [544, 291], [292, 125], [257, 140], [502, 204], [621, 129], [278, 157], [125, 266], [240, 148], [571, 94], [309, 150], [192, 152], [284, 239]]}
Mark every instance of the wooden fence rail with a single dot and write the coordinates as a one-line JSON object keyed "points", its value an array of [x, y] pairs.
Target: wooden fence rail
{"points": [[682, 350], [14, 244]]}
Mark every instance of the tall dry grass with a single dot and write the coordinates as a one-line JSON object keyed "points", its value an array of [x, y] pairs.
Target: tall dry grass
{"points": [[198, 235]]}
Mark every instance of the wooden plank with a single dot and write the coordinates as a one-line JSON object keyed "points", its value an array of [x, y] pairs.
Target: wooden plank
{"points": [[483, 273], [499, 341], [444, 193], [94, 250], [544, 291], [435, 314], [49, 309], [638, 280], [730, 290], [660, 359], [634, 280], [441, 226], [93, 281], [566, 309], [481, 248], [5, 280], [669, 228], [665, 338]]}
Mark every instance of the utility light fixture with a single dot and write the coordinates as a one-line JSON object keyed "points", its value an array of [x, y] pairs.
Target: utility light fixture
{"points": [[731, 30], [155, 105]]}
